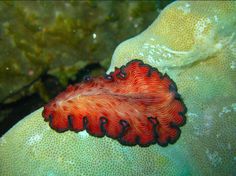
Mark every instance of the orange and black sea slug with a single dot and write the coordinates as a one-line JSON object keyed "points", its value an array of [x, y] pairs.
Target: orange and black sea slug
{"points": [[135, 105]]}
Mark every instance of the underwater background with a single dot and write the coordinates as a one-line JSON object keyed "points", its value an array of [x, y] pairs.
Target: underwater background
{"points": [[194, 42]]}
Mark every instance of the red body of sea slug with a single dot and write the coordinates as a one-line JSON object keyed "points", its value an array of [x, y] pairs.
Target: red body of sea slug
{"points": [[135, 104]]}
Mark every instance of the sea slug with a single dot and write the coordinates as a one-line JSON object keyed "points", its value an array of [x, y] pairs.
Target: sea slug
{"points": [[135, 104]]}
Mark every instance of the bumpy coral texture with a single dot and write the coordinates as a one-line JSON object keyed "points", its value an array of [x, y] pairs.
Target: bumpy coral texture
{"points": [[135, 104]]}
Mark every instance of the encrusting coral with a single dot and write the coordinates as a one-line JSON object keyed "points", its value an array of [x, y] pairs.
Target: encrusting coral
{"points": [[194, 42]]}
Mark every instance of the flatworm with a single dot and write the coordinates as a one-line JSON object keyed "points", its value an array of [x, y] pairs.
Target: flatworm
{"points": [[135, 105]]}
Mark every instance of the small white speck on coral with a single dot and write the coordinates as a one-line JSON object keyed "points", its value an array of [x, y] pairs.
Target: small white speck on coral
{"points": [[233, 65], [214, 157], [216, 18], [34, 139], [201, 26], [141, 54], [83, 134], [197, 78], [227, 109], [234, 107], [185, 8], [152, 39]]}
